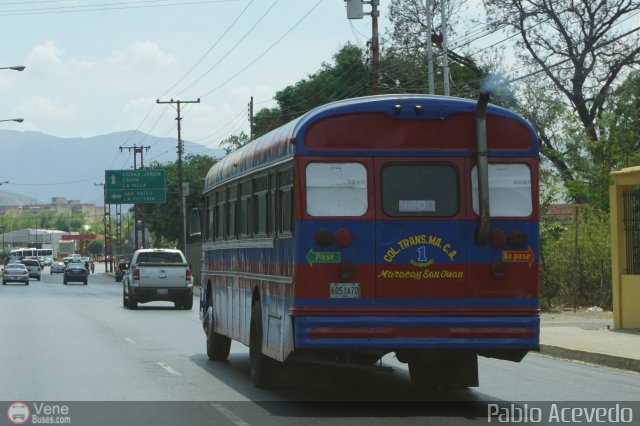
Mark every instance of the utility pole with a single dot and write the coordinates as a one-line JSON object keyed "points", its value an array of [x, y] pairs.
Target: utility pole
{"points": [[183, 235], [251, 119], [445, 59], [355, 11], [430, 46], [375, 47], [107, 230], [138, 210]]}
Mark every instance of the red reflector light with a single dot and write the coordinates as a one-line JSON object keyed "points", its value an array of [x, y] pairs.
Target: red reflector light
{"points": [[498, 238], [499, 270], [344, 237], [324, 238], [346, 270]]}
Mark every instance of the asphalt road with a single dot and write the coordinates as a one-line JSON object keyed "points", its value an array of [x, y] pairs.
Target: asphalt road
{"points": [[77, 343]]}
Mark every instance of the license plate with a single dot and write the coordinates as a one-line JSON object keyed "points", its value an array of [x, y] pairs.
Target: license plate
{"points": [[163, 291], [344, 290]]}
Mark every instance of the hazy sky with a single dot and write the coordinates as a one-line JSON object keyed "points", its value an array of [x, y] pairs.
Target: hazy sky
{"points": [[98, 66]]}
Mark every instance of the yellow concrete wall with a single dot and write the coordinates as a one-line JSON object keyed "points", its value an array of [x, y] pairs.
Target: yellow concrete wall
{"points": [[626, 288], [629, 301]]}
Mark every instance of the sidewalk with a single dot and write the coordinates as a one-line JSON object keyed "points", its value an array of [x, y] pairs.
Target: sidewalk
{"points": [[589, 337]]}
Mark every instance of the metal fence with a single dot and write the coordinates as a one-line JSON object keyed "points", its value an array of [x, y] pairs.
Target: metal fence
{"points": [[631, 198]]}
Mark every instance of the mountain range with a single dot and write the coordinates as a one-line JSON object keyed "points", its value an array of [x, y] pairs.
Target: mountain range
{"points": [[39, 167]]}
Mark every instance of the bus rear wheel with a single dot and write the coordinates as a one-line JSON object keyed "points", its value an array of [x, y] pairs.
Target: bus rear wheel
{"points": [[218, 346], [261, 365]]}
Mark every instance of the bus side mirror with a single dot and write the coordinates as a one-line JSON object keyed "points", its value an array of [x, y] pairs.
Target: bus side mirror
{"points": [[195, 223]]}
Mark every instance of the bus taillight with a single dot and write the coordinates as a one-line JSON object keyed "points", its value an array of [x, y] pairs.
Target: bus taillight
{"points": [[343, 237], [324, 238], [517, 239], [498, 238]]}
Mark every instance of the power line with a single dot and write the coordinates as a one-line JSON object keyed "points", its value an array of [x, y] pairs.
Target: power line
{"points": [[231, 49], [209, 50], [263, 53], [98, 7]]}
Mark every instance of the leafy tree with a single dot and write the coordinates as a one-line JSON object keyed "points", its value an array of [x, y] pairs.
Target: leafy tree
{"points": [[347, 77], [234, 142], [95, 247], [579, 52], [46, 220], [163, 220], [409, 40]]}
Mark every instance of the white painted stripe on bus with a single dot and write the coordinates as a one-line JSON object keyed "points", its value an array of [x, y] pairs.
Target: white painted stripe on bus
{"points": [[250, 276]]}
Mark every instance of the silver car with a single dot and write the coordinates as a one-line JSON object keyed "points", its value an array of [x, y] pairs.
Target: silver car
{"points": [[33, 266], [15, 272], [57, 267]]}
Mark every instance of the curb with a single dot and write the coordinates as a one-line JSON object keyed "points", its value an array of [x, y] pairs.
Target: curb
{"points": [[592, 357]]}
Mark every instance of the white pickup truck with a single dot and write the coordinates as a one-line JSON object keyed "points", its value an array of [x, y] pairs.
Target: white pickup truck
{"points": [[157, 274]]}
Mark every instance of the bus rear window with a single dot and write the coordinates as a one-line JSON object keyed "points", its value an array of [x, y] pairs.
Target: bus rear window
{"points": [[336, 189], [509, 190], [429, 190]]}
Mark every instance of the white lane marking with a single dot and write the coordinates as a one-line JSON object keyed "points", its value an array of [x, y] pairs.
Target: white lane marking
{"points": [[130, 340], [233, 417], [169, 369]]}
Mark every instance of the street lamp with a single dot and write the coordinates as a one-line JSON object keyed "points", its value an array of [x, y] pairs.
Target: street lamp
{"points": [[15, 68]]}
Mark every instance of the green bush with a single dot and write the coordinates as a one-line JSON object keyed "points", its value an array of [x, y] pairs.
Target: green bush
{"points": [[575, 259]]}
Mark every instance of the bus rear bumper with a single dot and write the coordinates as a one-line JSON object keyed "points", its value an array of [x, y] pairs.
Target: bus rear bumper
{"points": [[394, 333]]}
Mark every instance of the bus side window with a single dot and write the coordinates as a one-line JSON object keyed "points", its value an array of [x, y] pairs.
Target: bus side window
{"points": [[286, 201], [232, 212], [245, 210], [260, 191], [220, 206], [273, 204], [209, 221]]}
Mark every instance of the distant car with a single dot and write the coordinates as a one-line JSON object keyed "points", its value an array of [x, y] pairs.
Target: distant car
{"points": [[48, 261], [57, 267], [76, 272], [15, 272], [33, 266], [121, 269]]}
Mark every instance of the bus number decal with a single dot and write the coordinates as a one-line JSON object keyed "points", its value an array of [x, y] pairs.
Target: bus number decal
{"points": [[422, 241]]}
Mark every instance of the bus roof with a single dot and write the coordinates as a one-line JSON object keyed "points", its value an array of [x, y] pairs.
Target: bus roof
{"points": [[283, 143]]}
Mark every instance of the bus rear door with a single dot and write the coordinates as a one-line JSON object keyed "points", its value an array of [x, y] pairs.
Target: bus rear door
{"points": [[420, 234]]}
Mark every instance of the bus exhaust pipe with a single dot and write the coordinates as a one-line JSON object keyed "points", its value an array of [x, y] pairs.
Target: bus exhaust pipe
{"points": [[482, 235]]}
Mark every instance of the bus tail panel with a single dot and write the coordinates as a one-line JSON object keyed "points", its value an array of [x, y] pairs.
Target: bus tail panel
{"points": [[424, 333]]}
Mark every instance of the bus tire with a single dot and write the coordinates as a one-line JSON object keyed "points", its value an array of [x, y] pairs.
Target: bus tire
{"points": [[218, 346], [261, 365]]}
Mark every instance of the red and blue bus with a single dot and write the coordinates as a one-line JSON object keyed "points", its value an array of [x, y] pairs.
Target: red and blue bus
{"points": [[403, 224]]}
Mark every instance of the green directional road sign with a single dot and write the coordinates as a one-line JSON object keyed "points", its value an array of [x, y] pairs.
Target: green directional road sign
{"points": [[135, 186]]}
